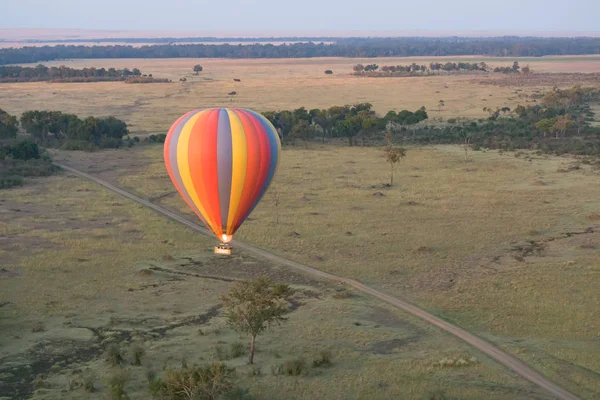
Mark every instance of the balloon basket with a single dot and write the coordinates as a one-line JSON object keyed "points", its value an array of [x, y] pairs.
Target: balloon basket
{"points": [[223, 249]]}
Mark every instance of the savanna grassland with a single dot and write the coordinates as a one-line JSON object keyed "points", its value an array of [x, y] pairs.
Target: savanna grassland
{"points": [[277, 84], [84, 269], [505, 245]]}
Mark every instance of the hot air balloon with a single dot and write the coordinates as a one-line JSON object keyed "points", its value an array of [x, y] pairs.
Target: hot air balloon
{"points": [[222, 160]]}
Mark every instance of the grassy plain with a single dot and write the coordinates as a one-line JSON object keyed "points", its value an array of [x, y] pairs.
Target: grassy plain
{"points": [[272, 84], [84, 268], [504, 246]]}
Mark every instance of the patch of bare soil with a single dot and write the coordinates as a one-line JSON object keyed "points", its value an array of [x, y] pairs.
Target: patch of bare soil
{"points": [[229, 269]]}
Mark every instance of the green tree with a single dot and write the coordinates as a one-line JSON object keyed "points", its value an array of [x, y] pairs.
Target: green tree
{"points": [[546, 125], [392, 154], [9, 125], [302, 130], [253, 306], [197, 69]]}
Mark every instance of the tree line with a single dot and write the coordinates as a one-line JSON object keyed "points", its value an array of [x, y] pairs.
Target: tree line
{"points": [[65, 74], [350, 47], [560, 123], [55, 128], [354, 122], [434, 68]]}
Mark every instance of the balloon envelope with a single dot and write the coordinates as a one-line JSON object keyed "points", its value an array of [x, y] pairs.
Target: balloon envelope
{"points": [[222, 160]]}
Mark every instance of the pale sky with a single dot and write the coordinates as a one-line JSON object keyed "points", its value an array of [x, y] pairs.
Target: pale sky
{"points": [[321, 16]]}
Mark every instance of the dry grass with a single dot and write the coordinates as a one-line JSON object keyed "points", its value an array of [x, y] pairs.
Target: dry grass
{"points": [[450, 236], [88, 274], [270, 84]]}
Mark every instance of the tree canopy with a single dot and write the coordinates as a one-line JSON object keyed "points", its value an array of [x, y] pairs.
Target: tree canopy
{"points": [[507, 46]]}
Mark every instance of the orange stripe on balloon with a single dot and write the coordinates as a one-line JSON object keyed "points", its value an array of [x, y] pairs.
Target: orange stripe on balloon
{"points": [[208, 160], [173, 169], [195, 167]]}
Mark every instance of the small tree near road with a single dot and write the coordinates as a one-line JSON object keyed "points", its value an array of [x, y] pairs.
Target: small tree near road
{"points": [[253, 306], [197, 69], [392, 154], [441, 105]]}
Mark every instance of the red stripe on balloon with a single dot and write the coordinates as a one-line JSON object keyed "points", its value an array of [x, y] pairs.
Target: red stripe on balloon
{"points": [[252, 167], [264, 161]]}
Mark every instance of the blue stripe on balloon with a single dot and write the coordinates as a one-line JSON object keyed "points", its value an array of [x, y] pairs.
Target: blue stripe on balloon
{"points": [[224, 164]]}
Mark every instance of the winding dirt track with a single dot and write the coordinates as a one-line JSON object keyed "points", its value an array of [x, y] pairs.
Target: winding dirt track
{"points": [[503, 358]]}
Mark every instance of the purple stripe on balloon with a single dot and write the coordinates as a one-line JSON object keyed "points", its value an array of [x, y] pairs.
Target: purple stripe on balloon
{"points": [[224, 164], [175, 165]]}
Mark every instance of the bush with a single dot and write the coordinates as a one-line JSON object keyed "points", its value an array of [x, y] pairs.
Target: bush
{"points": [[21, 150], [295, 367], [200, 383], [117, 383], [137, 352], [88, 384], [221, 353], [113, 355], [160, 138], [239, 394], [324, 359], [237, 350], [8, 181]]}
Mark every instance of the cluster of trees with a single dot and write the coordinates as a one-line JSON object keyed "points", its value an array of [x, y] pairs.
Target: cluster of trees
{"points": [[65, 74], [352, 122], [71, 132], [9, 125], [20, 159], [350, 47], [433, 68], [559, 124]]}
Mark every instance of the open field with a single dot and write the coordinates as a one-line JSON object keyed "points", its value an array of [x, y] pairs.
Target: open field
{"points": [[84, 268], [272, 84], [504, 246]]}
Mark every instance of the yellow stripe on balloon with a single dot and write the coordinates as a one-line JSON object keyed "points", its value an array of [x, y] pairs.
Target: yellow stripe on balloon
{"points": [[238, 171], [184, 166]]}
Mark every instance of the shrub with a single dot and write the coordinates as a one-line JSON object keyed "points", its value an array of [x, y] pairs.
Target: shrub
{"points": [[200, 383], [113, 355], [137, 352], [221, 353], [239, 394], [236, 350], [324, 359], [342, 294], [160, 138], [88, 384], [8, 181], [21, 150], [295, 367], [254, 371], [117, 382]]}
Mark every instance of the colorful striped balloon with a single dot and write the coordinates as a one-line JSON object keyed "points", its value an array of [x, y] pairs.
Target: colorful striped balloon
{"points": [[222, 160]]}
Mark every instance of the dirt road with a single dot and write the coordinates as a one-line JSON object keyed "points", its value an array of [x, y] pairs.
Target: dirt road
{"points": [[492, 351]]}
